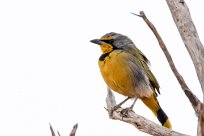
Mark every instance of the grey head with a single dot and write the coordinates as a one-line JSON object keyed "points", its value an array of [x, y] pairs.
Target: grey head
{"points": [[118, 40]]}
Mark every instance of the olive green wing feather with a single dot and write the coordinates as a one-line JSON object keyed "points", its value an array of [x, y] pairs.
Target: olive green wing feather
{"points": [[142, 60]]}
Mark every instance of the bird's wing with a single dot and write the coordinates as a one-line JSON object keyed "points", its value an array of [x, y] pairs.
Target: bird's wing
{"points": [[142, 60]]}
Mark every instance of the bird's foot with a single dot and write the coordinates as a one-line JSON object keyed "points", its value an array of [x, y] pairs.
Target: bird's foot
{"points": [[125, 112], [114, 108]]}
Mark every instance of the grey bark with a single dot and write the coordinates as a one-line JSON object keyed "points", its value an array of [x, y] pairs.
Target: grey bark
{"points": [[182, 18]]}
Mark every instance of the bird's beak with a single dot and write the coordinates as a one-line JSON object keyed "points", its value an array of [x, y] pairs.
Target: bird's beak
{"points": [[97, 41]]}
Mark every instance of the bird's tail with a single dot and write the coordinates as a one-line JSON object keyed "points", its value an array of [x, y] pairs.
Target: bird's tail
{"points": [[153, 105]]}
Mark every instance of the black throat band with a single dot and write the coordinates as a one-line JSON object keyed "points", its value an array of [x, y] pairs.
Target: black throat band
{"points": [[103, 56]]}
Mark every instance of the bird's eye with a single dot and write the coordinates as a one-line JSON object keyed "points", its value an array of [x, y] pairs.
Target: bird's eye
{"points": [[108, 41]]}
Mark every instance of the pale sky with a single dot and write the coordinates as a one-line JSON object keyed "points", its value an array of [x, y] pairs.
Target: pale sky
{"points": [[49, 71]]}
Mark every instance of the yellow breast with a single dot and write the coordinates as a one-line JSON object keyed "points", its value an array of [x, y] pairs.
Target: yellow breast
{"points": [[116, 73]]}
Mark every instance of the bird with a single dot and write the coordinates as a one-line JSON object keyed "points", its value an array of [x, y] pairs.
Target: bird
{"points": [[125, 70]]}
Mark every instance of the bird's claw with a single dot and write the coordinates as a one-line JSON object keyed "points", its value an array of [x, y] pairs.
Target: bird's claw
{"points": [[114, 108], [125, 112]]}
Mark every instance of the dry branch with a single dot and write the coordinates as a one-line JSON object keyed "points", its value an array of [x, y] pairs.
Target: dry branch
{"points": [[182, 18], [72, 133], [192, 98], [74, 129], [137, 121], [52, 130]]}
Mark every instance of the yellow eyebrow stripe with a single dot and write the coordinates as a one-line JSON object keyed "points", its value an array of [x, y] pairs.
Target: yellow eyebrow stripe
{"points": [[106, 38]]}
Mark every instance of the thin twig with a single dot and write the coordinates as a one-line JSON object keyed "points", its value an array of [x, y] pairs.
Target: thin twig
{"points": [[52, 130], [136, 14], [196, 104], [74, 129], [58, 133]]}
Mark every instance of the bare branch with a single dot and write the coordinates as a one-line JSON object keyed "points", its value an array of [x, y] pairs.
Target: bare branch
{"points": [[182, 18], [138, 121], [200, 122], [196, 104], [110, 99], [74, 129], [136, 14], [52, 131], [58, 133]]}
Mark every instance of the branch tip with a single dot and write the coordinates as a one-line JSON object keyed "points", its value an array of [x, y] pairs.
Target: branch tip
{"points": [[74, 129], [135, 14]]}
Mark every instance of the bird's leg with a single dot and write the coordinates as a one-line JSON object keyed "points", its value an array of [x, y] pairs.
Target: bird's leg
{"points": [[118, 105], [133, 104], [125, 111]]}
